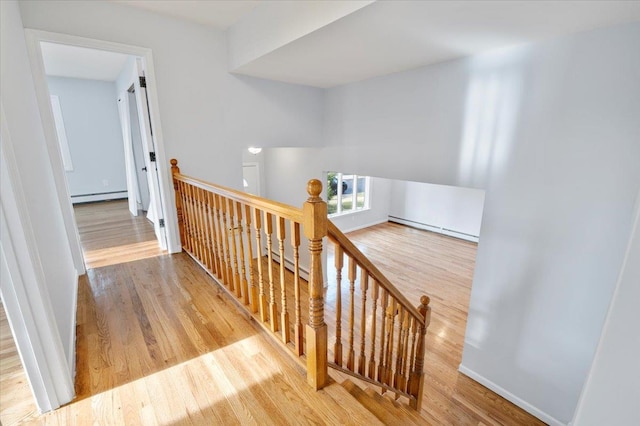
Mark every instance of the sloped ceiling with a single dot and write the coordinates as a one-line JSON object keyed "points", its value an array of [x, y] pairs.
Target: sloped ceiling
{"points": [[330, 43]]}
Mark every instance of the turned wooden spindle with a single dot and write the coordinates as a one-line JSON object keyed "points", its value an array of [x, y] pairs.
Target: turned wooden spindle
{"points": [[233, 228], [298, 330], [284, 314], [416, 381], [206, 254], [257, 223], [175, 170], [214, 233], [222, 203], [397, 377], [352, 288], [315, 229], [243, 275], [364, 284], [273, 308], [391, 317], [252, 278], [383, 335], [339, 262], [372, 353], [208, 226], [222, 273]]}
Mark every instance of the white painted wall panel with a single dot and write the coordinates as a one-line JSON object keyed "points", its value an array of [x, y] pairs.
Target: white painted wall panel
{"points": [[550, 131], [94, 135]]}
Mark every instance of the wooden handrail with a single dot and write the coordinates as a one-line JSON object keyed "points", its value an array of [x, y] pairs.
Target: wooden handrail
{"points": [[220, 227], [280, 209], [350, 249]]}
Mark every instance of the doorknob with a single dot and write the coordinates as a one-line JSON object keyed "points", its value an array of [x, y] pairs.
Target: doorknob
{"points": [[144, 169]]}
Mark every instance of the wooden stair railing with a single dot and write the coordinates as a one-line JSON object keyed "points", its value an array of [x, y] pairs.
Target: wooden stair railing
{"points": [[230, 234], [392, 332]]}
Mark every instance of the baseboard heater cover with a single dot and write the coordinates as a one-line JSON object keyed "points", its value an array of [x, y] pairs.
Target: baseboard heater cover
{"points": [[433, 228]]}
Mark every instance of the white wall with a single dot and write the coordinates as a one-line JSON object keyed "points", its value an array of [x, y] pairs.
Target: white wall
{"points": [[451, 210], [51, 248], [379, 203], [90, 112], [612, 391], [208, 115], [551, 132]]}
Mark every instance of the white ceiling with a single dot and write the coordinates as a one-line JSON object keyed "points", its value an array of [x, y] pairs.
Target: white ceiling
{"points": [[392, 36], [381, 38], [220, 14], [78, 62]]}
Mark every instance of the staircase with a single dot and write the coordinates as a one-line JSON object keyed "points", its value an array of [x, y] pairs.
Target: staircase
{"points": [[384, 407], [361, 326]]}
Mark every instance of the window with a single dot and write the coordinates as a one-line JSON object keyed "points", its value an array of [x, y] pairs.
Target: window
{"points": [[347, 193]]}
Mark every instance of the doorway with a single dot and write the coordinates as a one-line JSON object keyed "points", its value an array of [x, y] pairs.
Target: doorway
{"points": [[110, 154]]}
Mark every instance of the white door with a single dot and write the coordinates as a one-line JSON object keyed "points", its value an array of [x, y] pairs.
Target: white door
{"points": [[143, 194], [251, 178], [125, 122], [146, 134]]}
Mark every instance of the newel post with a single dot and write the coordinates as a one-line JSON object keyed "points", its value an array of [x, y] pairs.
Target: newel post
{"points": [[174, 171], [315, 229], [416, 380]]}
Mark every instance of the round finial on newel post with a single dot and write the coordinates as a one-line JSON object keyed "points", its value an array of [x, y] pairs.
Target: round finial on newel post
{"points": [[174, 166], [314, 188], [425, 300]]}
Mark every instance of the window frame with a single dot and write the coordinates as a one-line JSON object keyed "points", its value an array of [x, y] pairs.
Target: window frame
{"points": [[340, 197]]}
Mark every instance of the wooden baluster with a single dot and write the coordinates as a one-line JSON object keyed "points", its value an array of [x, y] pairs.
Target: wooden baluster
{"points": [[339, 262], [254, 287], [192, 230], [352, 287], [222, 270], [391, 317], [372, 353], [383, 334], [364, 285], [257, 219], [211, 218], [295, 243], [416, 381], [204, 231], [186, 243], [209, 230], [227, 251], [406, 356], [175, 170], [243, 275], [400, 345], [233, 228], [273, 308], [412, 355], [315, 229], [284, 315], [196, 225]]}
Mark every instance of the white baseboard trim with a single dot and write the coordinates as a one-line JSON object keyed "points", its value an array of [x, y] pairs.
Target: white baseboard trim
{"points": [[510, 397], [367, 225], [89, 198], [436, 229], [72, 336]]}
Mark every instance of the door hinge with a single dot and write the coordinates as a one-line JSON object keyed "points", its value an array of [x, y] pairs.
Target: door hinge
{"points": [[152, 157], [161, 223], [143, 81]]}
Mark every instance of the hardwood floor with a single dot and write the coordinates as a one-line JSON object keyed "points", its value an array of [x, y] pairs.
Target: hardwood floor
{"points": [[421, 262], [16, 400], [158, 342], [109, 234]]}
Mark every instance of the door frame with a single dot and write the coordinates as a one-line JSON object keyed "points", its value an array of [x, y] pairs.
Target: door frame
{"points": [[257, 166], [34, 38]]}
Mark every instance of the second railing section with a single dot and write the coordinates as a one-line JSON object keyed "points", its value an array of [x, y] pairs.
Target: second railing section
{"points": [[269, 256]]}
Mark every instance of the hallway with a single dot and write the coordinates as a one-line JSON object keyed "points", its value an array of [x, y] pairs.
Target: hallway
{"points": [[109, 234]]}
